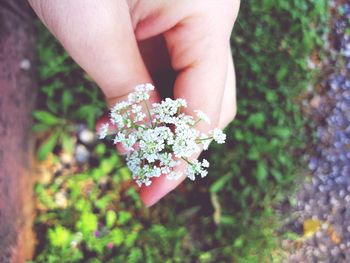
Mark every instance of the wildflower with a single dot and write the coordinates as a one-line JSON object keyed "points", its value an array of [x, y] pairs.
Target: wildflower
{"points": [[118, 107], [219, 136], [196, 167], [204, 140], [103, 132], [205, 163], [159, 148], [202, 116]]}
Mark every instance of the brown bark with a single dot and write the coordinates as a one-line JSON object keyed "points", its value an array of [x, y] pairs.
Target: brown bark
{"points": [[17, 94]]}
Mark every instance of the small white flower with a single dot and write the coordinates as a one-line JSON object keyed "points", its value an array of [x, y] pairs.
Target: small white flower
{"points": [[103, 132], [195, 167], [137, 113], [141, 93], [130, 142], [183, 119], [147, 182], [144, 87], [166, 110], [117, 119], [218, 136], [120, 106], [202, 116], [120, 137], [205, 141], [181, 103], [161, 142], [167, 160], [135, 108], [205, 163]]}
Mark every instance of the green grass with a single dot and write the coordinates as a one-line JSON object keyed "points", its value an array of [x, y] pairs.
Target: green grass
{"points": [[226, 217]]}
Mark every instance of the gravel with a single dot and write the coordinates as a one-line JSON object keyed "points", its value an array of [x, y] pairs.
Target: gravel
{"points": [[327, 197]]}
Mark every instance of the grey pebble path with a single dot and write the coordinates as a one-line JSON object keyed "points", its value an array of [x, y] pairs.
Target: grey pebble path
{"points": [[326, 199]]}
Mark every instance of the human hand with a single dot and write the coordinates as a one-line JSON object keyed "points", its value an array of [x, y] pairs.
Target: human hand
{"points": [[124, 43]]}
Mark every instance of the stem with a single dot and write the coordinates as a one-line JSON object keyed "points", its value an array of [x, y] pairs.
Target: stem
{"points": [[149, 113], [178, 111], [186, 160], [204, 139], [197, 121]]}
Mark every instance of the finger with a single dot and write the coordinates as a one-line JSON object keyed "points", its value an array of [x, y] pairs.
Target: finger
{"points": [[229, 101], [199, 54], [162, 186], [99, 37], [202, 85]]}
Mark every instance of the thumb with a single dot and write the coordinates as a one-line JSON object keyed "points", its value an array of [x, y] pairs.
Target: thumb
{"points": [[100, 38]]}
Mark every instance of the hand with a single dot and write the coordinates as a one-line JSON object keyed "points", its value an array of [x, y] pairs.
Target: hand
{"points": [[122, 43]]}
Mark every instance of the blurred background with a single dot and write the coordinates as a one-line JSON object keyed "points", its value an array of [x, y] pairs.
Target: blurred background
{"points": [[87, 207]]}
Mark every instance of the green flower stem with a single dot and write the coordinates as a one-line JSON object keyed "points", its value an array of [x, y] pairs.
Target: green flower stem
{"points": [[204, 139], [149, 113], [186, 160], [197, 121]]}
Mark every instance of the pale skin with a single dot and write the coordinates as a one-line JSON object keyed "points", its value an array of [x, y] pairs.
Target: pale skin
{"points": [[122, 43]]}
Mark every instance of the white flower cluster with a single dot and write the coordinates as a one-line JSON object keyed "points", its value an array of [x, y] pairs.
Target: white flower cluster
{"points": [[158, 137]]}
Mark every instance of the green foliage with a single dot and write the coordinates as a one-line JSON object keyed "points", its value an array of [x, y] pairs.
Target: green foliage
{"points": [[271, 42], [226, 217], [65, 90], [86, 231], [59, 236]]}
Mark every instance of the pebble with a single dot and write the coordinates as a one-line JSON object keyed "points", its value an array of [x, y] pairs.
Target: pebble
{"points": [[81, 154], [25, 64], [86, 136], [327, 196]]}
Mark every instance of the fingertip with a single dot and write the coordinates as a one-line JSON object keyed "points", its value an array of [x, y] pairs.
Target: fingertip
{"points": [[121, 149], [159, 188], [151, 194], [104, 119]]}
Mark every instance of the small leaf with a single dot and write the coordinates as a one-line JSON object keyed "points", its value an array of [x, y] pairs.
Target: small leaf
{"points": [[261, 171], [238, 243], [111, 217], [59, 236], [281, 73], [117, 236], [46, 117], [67, 100], [220, 183], [40, 127], [103, 202], [67, 143], [131, 239], [253, 153], [335, 237], [135, 255], [257, 120], [311, 226], [124, 217], [282, 132], [47, 146], [87, 223]]}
